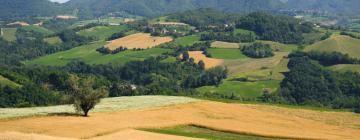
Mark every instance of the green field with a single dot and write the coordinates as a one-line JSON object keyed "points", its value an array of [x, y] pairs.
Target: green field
{"points": [[226, 53], [38, 29], [9, 34], [243, 31], [337, 43], [102, 32], [106, 105], [6, 82], [88, 54], [187, 40], [205, 133], [247, 90], [53, 40], [345, 67]]}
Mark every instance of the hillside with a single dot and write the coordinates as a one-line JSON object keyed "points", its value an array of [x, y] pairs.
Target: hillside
{"points": [[156, 112], [25, 8], [338, 43]]}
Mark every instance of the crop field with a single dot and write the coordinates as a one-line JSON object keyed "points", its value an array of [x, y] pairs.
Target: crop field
{"points": [[346, 67], [139, 40], [53, 40], [38, 29], [244, 90], [337, 43], [187, 40], [224, 45], [6, 82], [88, 54], [102, 32], [219, 53], [209, 62], [214, 117], [243, 31], [9, 34], [247, 65]]}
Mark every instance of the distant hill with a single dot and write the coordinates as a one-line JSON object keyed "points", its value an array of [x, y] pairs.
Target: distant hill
{"points": [[150, 8], [25, 8]]}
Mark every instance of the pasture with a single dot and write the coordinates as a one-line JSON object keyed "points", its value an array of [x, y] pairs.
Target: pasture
{"points": [[88, 54], [346, 67], [38, 29], [220, 53], [53, 40], [241, 90], [187, 40], [224, 45], [138, 40], [102, 32], [9, 34], [6, 82], [255, 120], [337, 43]]}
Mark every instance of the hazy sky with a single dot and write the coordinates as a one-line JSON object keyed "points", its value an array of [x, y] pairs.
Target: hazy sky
{"points": [[60, 1]]}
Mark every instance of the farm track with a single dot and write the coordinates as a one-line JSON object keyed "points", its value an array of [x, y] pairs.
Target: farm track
{"points": [[259, 120]]}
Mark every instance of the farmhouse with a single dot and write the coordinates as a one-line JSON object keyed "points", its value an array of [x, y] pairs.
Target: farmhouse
{"points": [[64, 17], [17, 24]]}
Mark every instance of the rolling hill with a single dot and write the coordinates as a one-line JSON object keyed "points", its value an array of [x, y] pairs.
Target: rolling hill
{"points": [[338, 43]]}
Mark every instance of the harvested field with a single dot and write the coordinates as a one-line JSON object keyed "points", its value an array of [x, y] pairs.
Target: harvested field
{"points": [[209, 62], [226, 45], [260, 120], [139, 40]]}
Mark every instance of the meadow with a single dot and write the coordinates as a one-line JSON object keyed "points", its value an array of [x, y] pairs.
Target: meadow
{"points": [[6, 82], [9, 34], [88, 54], [187, 40], [337, 43], [53, 40], [106, 105], [346, 67], [224, 45], [102, 32], [38, 29], [220, 53]]}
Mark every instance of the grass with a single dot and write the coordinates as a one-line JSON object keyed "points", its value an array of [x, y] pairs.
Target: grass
{"points": [[221, 53], [337, 43], [346, 67], [247, 90], [243, 31], [6, 82], [106, 105], [220, 44], [205, 133], [88, 54], [9, 34], [38, 29], [102, 32], [187, 40], [53, 40]]}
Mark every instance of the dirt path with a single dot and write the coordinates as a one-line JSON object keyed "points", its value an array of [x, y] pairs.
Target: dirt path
{"points": [[251, 119]]}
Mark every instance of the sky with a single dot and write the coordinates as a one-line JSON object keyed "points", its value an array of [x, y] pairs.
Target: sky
{"points": [[60, 1]]}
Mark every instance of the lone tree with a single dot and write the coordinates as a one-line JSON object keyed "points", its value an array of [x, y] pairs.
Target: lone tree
{"points": [[84, 94], [185, 56]]}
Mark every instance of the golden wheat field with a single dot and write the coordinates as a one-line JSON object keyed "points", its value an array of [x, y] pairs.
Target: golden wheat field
{"points": [[259, 120], [138, 40], [209, 62]]}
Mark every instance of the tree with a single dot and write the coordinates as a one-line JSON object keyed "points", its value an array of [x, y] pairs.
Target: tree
{"points": [[84, 95], [185, 56], [202, 64]]}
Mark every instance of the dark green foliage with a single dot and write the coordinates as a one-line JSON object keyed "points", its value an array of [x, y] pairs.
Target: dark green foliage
{"points": [[117, 35], [276, 28], [258, 50], [327, 58], [228, 37], [308, 83], [326, 36], [104, 50], [350, 34]]}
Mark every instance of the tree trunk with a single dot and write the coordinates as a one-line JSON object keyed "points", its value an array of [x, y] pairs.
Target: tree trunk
{"points": [[86, 113]]}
